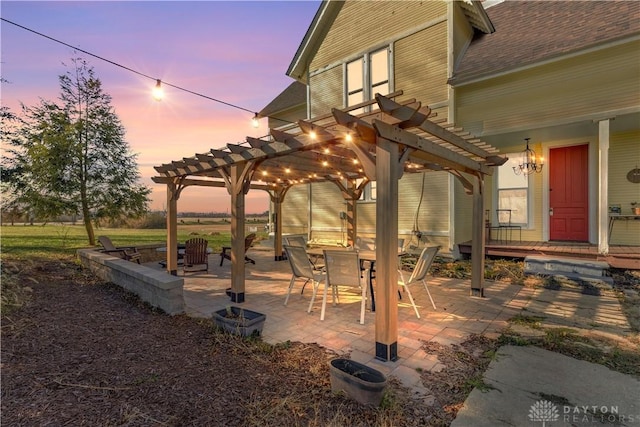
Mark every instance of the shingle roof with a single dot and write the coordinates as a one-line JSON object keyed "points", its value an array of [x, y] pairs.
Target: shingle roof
{"points": [[295, 94], [532, 31]]}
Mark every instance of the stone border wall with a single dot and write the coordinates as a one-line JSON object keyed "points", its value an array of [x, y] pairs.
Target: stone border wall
{"points": [[158, 288]]}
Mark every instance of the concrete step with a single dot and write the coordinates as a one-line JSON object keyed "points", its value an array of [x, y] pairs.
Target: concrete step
{"points": [[581, 269]]}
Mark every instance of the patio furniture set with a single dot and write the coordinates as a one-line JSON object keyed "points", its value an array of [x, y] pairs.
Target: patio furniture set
{"points": [[350, 268]]}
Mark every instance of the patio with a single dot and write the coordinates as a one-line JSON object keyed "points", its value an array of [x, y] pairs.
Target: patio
{"points": [[458, 314]]}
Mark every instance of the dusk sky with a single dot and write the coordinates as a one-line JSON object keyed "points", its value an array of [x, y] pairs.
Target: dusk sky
{"points": [[234, 51]]}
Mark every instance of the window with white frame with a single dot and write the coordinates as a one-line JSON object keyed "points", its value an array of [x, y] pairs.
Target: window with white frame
{"points": [[369, 193], [367, 76], [513, 191]]}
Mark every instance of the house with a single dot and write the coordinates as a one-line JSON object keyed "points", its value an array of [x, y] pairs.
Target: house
{"points": [[562, 78]]}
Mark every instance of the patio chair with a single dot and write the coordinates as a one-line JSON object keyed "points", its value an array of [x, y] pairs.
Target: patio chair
{"points": [[300, 242], [419, 273], [302, 268], [365, 243], [297, 241], [196, 255], [129, 253], [504, 224], [343, 269], [226, 250]]}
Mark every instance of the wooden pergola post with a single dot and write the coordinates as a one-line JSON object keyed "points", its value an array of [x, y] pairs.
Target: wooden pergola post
{"points": [[477, 236], [277, 197], [173, 194], [387, 174], [238, 179]]}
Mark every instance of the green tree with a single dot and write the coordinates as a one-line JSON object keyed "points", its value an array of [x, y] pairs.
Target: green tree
{"points": [[10, 203], [72, 159]]}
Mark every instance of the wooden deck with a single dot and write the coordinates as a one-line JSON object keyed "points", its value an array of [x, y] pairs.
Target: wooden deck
{"points": [[619, 256]]}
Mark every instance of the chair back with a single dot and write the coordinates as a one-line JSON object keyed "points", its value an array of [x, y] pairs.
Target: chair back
{"points": [[106, 243], [299, 261], [248, 241], [297, 241], [504, 216], [343, 267], [195, 251], [365, 243], [424, 263]]}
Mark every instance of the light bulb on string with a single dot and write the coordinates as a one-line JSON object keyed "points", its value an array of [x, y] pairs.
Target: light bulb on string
{"points": [[254, 121], [158, 93]]}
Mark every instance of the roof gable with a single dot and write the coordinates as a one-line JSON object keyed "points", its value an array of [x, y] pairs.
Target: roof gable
{"points": [[326, 15]]}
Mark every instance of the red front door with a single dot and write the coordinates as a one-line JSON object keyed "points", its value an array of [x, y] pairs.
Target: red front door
{"points": [[569, 193]]}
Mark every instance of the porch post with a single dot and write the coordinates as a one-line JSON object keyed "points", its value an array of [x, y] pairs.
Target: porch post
{"points": [[387, 173], [477, 236], [603, 187]]}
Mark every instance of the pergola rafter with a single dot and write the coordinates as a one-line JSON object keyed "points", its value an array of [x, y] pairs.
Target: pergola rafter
{"points": [[349, 150]]}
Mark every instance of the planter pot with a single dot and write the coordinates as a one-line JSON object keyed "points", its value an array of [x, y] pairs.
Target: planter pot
{"points": [[360, 382], [239, 321], [636, 211]]}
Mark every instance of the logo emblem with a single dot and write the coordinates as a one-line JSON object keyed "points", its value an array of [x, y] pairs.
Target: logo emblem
{"points": [[544, 411]]}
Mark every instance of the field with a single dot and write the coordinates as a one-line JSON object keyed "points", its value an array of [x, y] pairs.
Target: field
{"points": [[64, 239]]}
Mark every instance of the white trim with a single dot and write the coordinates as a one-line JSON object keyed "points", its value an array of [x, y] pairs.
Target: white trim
{"points": [[603, 185]]}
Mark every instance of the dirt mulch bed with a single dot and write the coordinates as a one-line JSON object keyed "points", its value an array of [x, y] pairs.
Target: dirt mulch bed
{"points": [[83, 352]]}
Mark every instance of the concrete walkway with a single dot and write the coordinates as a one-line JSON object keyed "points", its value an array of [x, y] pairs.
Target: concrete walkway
{"points": [[457, 316], [532, 386]]}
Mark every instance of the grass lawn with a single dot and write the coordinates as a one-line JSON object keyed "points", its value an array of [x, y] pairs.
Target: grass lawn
{"points": [[64, 239]]}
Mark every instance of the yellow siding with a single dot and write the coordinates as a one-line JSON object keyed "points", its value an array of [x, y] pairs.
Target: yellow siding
{"points": [[421, 64], [588, 84], [326, 205], [624, 155], [462, 213], [350, 35], [326, 91], [295, 210]]}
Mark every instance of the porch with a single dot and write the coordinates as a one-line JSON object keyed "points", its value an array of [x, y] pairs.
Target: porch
{"points": [[619, 256], [458, 315]]}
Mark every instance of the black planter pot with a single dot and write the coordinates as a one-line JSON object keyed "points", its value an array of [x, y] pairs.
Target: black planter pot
{"points": [[360, 382], [239, 321]]}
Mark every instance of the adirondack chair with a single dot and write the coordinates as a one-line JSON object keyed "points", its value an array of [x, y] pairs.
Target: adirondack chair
{"points": [[129, 253], [196, 256], [226, 250]]}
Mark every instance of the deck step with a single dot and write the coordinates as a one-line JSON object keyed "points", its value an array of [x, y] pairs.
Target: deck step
{"points": [[570, 268]]}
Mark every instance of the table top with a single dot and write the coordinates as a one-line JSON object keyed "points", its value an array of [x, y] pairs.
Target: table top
{"points": [[366, 255], [623, 216]]}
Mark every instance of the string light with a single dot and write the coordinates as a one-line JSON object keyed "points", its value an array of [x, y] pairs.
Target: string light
{"points": [[158, 81], [158, 93]]}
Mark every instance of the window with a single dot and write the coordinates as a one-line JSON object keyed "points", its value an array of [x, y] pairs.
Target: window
{"points": [[369, 193], [367, 76], [513, 191]]}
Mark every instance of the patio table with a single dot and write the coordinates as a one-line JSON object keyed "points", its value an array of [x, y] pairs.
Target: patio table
{"points": [[364, 255]]}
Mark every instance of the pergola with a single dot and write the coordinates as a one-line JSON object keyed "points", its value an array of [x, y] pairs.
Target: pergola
{"points": [[350, 151]]}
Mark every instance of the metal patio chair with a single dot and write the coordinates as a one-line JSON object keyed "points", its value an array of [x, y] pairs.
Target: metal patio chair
{"points": [[343, 269], [301, 268], [419, 274]]}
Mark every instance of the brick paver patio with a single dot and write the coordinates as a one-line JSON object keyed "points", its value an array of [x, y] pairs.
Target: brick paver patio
{"points": [[458, 315]]}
